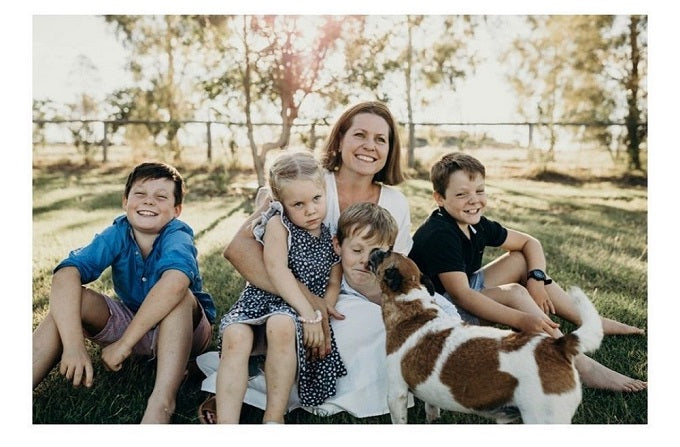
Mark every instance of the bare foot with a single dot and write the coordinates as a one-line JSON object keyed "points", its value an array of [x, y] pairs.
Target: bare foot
{"points": [[613, 327], [158, 413], [596, 375]]}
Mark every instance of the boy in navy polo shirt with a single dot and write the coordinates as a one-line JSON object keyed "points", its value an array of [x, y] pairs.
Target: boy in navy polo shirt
{"points": [[514, 289], [161, 310]]}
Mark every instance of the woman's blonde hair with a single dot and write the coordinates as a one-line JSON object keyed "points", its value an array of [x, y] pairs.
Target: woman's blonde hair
{"points": [[292, 166]]}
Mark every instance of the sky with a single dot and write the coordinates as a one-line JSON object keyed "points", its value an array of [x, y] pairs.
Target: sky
{"points": [[58, 40]]}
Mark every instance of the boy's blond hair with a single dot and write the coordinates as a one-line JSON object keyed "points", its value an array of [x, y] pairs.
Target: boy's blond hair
{"points": [[455, 161], [360, 216]]}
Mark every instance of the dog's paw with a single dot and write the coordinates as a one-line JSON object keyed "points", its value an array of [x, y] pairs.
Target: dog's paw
{"points": [[431, 412]]}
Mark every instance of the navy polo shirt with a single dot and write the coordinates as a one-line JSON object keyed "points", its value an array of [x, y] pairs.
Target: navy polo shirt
{"points": [[440, 246]]}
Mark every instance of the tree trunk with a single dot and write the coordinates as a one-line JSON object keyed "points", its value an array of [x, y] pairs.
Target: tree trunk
{"points": [[409, 99], [633, 116]]}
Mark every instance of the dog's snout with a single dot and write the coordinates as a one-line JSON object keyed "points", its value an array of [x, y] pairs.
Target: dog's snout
{"points": [[375, 258]]}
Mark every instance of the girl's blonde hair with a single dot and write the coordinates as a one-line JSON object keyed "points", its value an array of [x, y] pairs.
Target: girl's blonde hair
{"points": [[292, 166]]}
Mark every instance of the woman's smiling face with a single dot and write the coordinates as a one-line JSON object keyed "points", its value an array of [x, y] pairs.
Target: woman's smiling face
{"points": [[365, 146]]}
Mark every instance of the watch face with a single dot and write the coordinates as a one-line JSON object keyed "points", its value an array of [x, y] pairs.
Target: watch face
{"points": [[537, 274]]}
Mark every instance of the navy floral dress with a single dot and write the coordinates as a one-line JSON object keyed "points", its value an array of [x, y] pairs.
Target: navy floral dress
{"points": [[310, 259]]}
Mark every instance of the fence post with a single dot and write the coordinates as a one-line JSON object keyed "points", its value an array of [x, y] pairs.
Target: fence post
{"points": [[208, 136], [105, 142], [531, 133]]}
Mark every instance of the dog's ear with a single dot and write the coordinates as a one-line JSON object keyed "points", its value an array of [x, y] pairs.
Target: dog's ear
{"points": [[427, 282], [393, 279]]}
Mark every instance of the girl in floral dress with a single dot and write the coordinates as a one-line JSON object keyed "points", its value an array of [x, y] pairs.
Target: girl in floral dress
{"points": [[298, 255]]}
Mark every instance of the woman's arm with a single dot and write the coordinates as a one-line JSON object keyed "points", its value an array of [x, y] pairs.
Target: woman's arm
{"points": [[246, 254]]}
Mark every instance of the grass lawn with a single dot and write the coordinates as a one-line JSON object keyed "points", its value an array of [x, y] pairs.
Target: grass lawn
{"points": [[594, 233]]}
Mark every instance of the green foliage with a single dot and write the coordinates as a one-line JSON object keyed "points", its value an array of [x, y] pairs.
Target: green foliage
{"points": [[592, 232], [583, 69]]}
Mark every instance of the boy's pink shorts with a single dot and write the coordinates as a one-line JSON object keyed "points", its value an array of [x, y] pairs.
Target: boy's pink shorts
{"points": [[120, 318]]}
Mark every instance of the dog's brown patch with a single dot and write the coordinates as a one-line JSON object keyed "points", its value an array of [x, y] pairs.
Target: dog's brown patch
{"points": [[418, 363], [554, 360], [515, 341], [471, 373], [402, 319]]}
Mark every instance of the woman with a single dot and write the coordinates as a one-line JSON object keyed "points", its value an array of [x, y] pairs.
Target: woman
{"points": [[362, 156]]}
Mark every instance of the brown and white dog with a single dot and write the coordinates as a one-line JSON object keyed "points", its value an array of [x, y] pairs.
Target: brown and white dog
{"points": [[483, 370]]}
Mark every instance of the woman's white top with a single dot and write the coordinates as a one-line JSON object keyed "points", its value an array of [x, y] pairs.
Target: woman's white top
{"points": [[390, 198]]}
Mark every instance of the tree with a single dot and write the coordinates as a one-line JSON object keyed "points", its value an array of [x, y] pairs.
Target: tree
{"points": [[276, 60], [163, 61], [85, 75], [574, 69], [415, 55], [634, 75]]}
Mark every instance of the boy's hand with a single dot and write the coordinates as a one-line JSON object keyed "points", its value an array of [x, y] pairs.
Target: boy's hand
{"points": [[537, 291], [534, 323], [76, 366], [114, 355]]}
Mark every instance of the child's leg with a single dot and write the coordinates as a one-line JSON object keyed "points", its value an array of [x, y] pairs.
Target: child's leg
{"points": [[564, 307], [280, 366], [48, 347], [232, 375], [174, 339], [506, 269], [596, 375], [512, 268], [592, 373]]}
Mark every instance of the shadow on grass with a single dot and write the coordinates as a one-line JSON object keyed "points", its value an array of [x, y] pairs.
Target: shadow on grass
{"points": [[85, 202]]}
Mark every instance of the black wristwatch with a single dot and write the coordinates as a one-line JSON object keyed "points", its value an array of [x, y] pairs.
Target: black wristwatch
{"points": [[539, 275]]}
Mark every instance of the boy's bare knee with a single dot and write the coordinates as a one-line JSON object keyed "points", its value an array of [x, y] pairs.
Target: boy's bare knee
{"points": [[94, 311], [518, 258], [519, 294]]}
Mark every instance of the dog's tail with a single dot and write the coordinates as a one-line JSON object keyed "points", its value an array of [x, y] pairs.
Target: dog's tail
{"points": [[589, 335]]}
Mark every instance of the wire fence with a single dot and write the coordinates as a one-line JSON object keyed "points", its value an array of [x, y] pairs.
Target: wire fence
{"points": [[218, 141]]}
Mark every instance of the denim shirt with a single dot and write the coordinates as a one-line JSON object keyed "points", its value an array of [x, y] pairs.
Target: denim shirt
{"points": [[133, 276]]}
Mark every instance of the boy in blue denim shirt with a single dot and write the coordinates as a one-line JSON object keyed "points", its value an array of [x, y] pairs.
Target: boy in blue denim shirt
{"points": [[161, 309]]}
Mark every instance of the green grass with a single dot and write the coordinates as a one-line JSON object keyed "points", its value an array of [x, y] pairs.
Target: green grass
{"points": [[593, 232]]}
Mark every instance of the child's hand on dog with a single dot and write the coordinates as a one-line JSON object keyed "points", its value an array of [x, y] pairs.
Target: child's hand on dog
{"points": [[533, 323]]}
